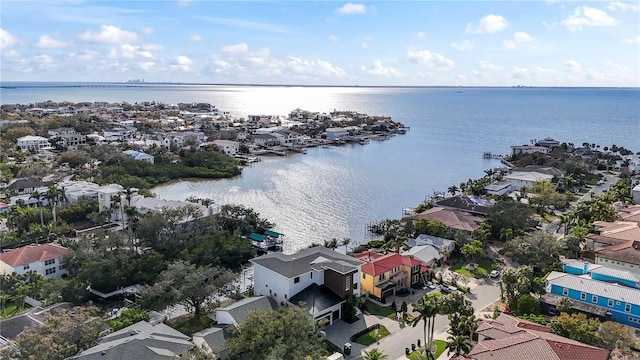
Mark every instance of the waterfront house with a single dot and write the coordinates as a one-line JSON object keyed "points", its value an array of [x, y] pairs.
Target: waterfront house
{"points": [[45, 259], [227, 146], [548, 170], [322, 278], [620, 301], [264, 140], [508, 337], [336, 133], [288, 138], [548, 142], [454, 220], [140, 341], [467, 203], [529, 149], [526, 179], [31, 142], [498, 188], [383, 275], [139, 156]]}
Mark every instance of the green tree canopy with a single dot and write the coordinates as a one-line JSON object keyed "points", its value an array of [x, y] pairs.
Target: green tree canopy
{"points": [[288, 333], [540, 249], [510, 214], [189, 285]]}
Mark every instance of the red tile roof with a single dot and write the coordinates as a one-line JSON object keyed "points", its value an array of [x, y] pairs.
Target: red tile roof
{"points": [[512, 338], [32, 253], [382, 264]]}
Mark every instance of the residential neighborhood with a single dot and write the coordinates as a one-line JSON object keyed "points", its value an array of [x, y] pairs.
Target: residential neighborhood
{"points": [[501, 268]]}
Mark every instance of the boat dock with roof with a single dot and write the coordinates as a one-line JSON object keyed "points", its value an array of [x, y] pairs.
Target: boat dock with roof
{"points": [[268, 241]]}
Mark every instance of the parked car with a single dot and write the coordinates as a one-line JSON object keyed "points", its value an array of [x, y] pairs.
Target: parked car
{"points": [[494, 274], [445, 289], [429, 285]]}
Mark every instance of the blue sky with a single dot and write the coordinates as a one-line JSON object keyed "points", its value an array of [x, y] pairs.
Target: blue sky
{"points": [[424, 43]]}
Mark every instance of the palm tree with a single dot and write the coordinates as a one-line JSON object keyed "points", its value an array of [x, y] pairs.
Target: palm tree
{"points": [[116, 201], [373, 354], [427, 308], [39, 197], [506, 233], [452, 190], [331, 244], [467, 325], [345, 242], [52, 195], [132, 218], [458, 345]]}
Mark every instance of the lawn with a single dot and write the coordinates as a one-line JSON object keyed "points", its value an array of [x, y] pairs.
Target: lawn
{"points": [[440, 348], [375, 309], [190, 324], [10, 309], [482, 271], [372, 336]]}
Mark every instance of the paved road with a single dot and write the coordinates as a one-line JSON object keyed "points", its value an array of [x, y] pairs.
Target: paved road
{"points": [[486, 293]]}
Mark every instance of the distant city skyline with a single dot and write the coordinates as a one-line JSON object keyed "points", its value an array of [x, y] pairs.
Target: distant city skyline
{"points": [[417, 43]]}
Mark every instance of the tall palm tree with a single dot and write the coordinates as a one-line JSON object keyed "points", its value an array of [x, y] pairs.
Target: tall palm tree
{"points": [[467, 325], [452, 190], [458, 345], [39, 197], [345, 242], [373, 354], [427, 308], [52, 195]]}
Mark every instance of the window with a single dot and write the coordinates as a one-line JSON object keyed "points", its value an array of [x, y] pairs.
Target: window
{"points": [[50, 262], [610, 303], [594, 298], [565, 291], [364, 276], [355, 286], [347, 283], [627, 307], [312, 274], [50, 271], [381, 276], [25, 267], [296, 279], [583, 296]]}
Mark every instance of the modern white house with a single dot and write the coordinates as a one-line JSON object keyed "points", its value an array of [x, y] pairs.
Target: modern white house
{"points": [[30, 142], [321, 278], [522, 179], [45, 259], [71, 141], [337, 133], [227, 146], [498, 188], [529, 149]]}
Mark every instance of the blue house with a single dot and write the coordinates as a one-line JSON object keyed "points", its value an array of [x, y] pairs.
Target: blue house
{"points": [[602, 273], [622, 302]]}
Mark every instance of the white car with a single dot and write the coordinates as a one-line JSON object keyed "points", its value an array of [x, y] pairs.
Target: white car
{"points": [[494, 274]]}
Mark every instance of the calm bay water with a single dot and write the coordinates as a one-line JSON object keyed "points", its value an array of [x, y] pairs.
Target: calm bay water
{"points": [[335, 192]]}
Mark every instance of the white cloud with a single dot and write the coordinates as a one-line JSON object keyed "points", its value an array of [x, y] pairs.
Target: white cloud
{"points": [[236, 48], [489, 24], [431, 60], [351, 9], [195, 37], [43, 59], [146, 65], [466, 45], [314, 68], [488, 66], [522, 37], [182, 63], [421, 35], [622, 6], [109, 34], [152, 47], [6, 39], [519, 72], [572, 65], [147, 30], [509, 44], [127, 51], [633, 41], [47, 42], [383, 71], [587, 16]]}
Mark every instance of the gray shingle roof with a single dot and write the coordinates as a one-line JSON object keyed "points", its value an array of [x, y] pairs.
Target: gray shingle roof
{"points": [[140, 341], [302, 262], [317, 298], [239, 309]]}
